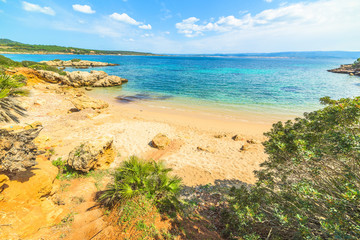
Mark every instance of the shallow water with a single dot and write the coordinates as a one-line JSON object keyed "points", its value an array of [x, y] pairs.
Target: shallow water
{"points": [[284, 86]]}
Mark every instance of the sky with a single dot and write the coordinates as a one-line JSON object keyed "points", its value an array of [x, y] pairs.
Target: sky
{"points": [[185, 26]]}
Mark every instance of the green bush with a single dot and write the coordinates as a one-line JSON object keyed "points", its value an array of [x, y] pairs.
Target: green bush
{"points": [[357, 63], [56, 60], [75, 60], [150, 179], [7, 62], [309, 188], [47, 68], [30, 63]]}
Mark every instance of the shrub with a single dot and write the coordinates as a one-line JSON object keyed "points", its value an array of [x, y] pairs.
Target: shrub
{"points": [[137, 177], [7, 62], [357, 63], [309, 188], [30, 63], [47, 68], [75, 60], [56, 60]]}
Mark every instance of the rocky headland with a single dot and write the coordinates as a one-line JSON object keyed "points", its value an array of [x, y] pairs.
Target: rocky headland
{"points": [[77, 63], [351, 69]]}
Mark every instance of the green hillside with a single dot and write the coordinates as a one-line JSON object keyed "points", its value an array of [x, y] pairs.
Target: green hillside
{"points": [[9, 46]]}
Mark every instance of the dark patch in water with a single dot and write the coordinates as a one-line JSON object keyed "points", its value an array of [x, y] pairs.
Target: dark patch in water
{"points": [[291, 89], [141, 97]]}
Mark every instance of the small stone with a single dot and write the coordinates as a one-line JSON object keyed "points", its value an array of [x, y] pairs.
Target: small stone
{"points": [[160, 141], [245, 147], [222, 135], [238, 138], [252, 141], [206, 149]]}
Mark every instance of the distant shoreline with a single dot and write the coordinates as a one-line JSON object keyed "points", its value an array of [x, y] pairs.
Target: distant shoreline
{"points": [[90, 54]]}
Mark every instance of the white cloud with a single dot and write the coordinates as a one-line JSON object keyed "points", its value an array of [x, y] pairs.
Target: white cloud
{"points": [[30, 7], [146, 27], [124, 18], [3, 1], [83, 8], [268, 1], [291, 15]]}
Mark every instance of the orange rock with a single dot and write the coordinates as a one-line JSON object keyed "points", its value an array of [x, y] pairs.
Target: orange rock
{"points": [[25, 207]]}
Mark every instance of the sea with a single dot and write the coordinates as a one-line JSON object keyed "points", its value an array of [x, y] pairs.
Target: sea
{"points": [[229, 85]]}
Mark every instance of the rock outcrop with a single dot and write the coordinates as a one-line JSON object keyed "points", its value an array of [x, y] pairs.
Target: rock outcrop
{"points": [[160, 141], [98, 154], [83, 79], [83, 101], [24, 203], [350, 69], [17, 150], [77, 63]]}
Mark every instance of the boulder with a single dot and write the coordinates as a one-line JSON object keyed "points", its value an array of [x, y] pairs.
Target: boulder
{"points": [[17, 149], [98, 154], [83, 101], [160, 141], [52, 77]]}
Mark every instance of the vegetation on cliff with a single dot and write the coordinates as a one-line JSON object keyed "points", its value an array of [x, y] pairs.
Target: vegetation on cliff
{"points": [[309, 186], [10, 46]]}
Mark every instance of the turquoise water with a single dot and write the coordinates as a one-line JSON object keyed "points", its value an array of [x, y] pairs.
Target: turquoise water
{"points": [[287, 86]]}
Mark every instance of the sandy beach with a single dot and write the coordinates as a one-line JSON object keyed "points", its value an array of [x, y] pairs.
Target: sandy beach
{"points": [[133, 126]]}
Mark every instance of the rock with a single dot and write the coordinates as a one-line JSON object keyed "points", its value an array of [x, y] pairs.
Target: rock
{"points": [[51, 77], [25, 203], [3, 180], [17, 149], [84, 101], [206, 149], [245, 147], [82, 78], [160, 141], [222, 135], [238, 138], [98, 154], [78, 64], [252, 141], [350, 69]]}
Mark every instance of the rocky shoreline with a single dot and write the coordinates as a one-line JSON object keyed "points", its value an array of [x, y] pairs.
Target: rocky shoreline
{"points": [[351, 69], [83, 79], [77, 63]]}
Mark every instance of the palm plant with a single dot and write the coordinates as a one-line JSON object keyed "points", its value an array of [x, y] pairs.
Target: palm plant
{"points": [[138, 177], [9, 108]]}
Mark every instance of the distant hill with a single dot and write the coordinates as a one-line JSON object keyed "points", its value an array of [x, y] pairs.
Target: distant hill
{"points": [[9, 46]]}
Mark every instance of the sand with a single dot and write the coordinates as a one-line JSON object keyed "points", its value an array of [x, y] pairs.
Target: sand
{"points": [[132, 126]]}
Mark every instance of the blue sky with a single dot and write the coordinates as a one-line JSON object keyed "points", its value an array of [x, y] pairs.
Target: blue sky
{"points": [[185, 26]]}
